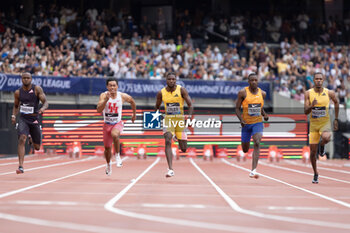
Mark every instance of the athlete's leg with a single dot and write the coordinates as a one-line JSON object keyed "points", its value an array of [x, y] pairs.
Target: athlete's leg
{"points": [[21, 148], [183, 145], [168, 151], [246, 134], [35, 134], [116, 139], [108, 154], [256, 153]]}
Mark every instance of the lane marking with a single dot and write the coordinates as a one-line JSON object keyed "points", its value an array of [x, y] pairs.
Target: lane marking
{"points": [[318, 167], [237, 208], [345, 204], [298, 208], [60, 203], [33, 161], [15, 157], [302, 172], [159, 205], [66, 225], [182, 222], [47, 166], [51, 181]]}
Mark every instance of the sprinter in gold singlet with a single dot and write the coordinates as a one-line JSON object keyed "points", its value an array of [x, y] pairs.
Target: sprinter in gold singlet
{"points": [[173, 97], [317, 103]]}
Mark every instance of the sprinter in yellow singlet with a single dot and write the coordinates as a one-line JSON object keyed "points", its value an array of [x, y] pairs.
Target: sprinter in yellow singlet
{"points": [[173, 97], [251, 99], [317, 103]]}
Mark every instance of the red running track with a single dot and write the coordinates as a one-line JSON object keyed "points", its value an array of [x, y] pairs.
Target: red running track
{"points": [[59, 194]]}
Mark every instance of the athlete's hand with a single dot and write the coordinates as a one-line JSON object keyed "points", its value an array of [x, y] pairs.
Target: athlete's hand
{"points": [[335, 125], [266, 117], [107, 96], [41, 111], [314, 102], [13, 119], [243, 123], [133, 118]]}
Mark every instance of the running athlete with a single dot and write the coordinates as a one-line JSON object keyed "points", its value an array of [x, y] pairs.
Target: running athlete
{"points": [[173, 97], [27, 103], [110, 105], [251, 99], [317, 103]]}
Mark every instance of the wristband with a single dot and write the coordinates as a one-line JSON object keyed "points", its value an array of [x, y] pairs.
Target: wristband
{"points": [[13, 115]]}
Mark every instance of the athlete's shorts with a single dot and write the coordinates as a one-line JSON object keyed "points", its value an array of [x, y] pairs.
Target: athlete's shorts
{"points": [[251, 129], [316, 131], [30, 127], [107, 132], [174, 126]]}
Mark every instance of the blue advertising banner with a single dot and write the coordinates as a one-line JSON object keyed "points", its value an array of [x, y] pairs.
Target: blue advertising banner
{"points": [[134, 87]]}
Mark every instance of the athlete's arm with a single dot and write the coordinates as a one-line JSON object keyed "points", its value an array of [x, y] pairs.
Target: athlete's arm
{"points": [[129, 99], [307, 105], [263, 113], [102, 102], [42, 97], [241, 96], [159, 100], [15, 107], [336, 108], [188, 100]]}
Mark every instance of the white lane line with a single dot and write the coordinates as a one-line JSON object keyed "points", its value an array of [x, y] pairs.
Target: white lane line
{"points": [[318, 167], [50, 181], [176, 206], [33, 161], [345, 204], [332, 164], [60, 203], [182, 222], [66, 225], [302, 172], [15, 157], [237, 208], [292, 208], [47, 166]]}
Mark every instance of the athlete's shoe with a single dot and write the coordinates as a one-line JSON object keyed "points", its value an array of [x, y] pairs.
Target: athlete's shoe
{"points": [[119, 161], [321, 151], [20, 170], [315, 180], [170, 173], [254, 174], [108, 169]]}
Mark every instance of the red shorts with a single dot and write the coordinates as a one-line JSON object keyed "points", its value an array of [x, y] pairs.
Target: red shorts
{"points": [[107, 132]]}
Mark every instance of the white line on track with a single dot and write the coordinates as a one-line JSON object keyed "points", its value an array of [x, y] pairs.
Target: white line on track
{"points": [[237, 208], [15, 157], [176, 206], [318, 167], [34, 202], [59, 224], [50, 181], [298, 208], [33, 161], [302, 172], [47, 166], [182, 222], [342, 203], [333, 165]]}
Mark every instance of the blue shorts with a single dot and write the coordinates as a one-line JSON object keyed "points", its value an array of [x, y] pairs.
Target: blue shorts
{"points": [[251, 129]]}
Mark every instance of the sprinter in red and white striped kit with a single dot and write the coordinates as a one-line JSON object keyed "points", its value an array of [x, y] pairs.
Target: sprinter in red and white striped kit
{"points": [[111, 106]]}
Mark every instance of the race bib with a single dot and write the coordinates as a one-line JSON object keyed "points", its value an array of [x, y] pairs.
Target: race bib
{"points": [[173, 109], [254, 109], [26, 109], [318, 112], [111, 118]]}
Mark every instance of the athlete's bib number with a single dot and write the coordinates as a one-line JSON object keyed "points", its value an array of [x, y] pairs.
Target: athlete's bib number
{"points": [[173, 109], [318, 112], [111, 118], [26, 109], [254, 109]]}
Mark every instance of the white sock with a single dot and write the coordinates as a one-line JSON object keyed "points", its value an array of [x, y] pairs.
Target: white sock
{"points": [[117, 155], [254, 171]]}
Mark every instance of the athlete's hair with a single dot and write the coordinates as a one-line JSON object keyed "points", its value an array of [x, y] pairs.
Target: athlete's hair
{"points": [[318, 73], [26, 73], [251, 74], [111, 80], [170, 73]]}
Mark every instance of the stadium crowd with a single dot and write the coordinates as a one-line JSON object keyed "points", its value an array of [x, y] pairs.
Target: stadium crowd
{"points": [[109, 44]]}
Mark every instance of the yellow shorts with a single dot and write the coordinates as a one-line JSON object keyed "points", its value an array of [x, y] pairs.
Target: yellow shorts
{"points": [[316, 130], [176, 126]]}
